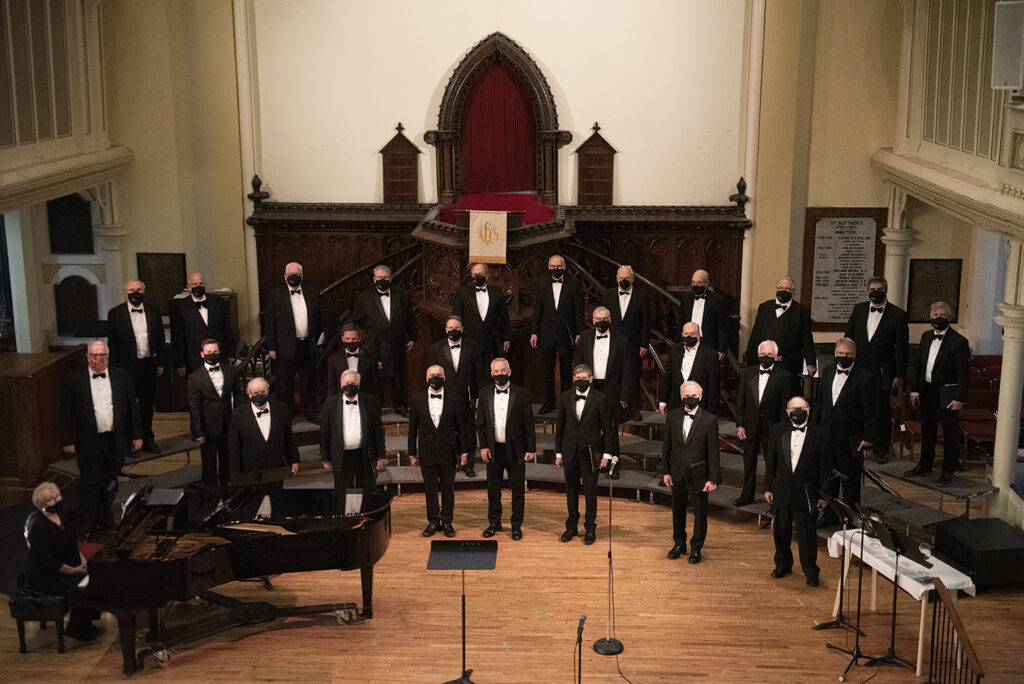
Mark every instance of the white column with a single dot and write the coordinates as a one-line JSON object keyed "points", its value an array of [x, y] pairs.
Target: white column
{"points": [[1011, 379], [26, 283], [897, 237], [109, 239]]}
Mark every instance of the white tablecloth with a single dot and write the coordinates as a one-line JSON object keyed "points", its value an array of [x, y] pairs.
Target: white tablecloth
{"points": [[915, 579]]}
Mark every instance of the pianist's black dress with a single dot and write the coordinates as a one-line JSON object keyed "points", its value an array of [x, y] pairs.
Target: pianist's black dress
{"points": [[50, 546]]}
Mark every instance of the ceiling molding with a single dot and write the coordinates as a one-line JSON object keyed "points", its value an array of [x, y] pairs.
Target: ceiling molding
{"points": [[48, 180]]}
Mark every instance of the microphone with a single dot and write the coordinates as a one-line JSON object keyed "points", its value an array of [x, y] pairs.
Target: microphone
{"points": [[579, 630]]}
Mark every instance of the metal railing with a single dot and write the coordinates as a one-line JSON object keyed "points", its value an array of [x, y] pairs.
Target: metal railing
{"points": [[951, 657]]}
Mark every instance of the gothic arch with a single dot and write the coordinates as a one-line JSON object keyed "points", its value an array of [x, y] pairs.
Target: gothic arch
{"points": [[497, 48]]}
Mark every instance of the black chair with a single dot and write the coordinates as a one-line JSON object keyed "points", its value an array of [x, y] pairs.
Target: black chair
{"points": [[33, 606]]}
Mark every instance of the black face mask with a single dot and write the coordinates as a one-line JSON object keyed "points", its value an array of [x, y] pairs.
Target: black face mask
{"points": [[383, 285], [699, 290], [500, 379], [259, 399], [625, 284], [798, 416], [556, 273], [199, 291], [765, 361], [691, 402], [352, 346], [479, 279], [602, 326], [212, 359], [581, 385], [294, 280], [135, 298], [783, 296], [876, 296], [55, 509], [455, 335], [844, 362], [436, 382], [689, 340], [940, 323], [350, 390]]}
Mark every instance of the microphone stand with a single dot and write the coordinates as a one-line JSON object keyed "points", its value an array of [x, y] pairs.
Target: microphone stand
{"points": [[609, 646], [840, 621], [890, 657], [579, 650], [855, 653]]}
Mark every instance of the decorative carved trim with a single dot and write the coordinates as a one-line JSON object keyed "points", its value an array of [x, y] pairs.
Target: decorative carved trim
{"points": [[1011, 191]]}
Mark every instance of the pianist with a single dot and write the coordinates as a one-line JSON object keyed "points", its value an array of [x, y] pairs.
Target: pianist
{"points": [[55, 564], [260, 434]]}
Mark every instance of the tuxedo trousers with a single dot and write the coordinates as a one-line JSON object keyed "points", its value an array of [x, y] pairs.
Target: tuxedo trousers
{"points": [[97, 485], [216, 460], [933, 415], [683, 494], [143, 373], [562, 352], [787, 517], [577, 470], [752, 445], [502, 461], [303, 365], [439, 478], [351, 471]]}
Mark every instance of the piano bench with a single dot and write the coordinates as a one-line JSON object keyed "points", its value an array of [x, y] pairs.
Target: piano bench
{"points": [[42, 608]]}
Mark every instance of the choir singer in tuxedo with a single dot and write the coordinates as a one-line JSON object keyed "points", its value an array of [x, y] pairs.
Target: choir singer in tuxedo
{"points": [[586, 441], [137, 345], [352, 439], [557, 324], [691, 359], [705, 307], [213, 393], [387, 312], [760, 403], [630, 316], [942, 370], [438, 442], [194, 318], [484, 313], [788, 324], [607, 351], [508, 439], [689, 465], [797, 463], [99, 426], [879, 329], [462, 362], [261, 434], [353, 355], [293, 329]]}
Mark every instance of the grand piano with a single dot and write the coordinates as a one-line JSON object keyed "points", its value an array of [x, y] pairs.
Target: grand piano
{"points": [[159, 553]]}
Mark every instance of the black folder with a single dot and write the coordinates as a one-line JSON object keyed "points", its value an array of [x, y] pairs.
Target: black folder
{"points": [[948, 393]]}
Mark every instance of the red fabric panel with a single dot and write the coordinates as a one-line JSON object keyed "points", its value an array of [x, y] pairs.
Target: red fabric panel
{"points": [[498, 137], [526, 202]]}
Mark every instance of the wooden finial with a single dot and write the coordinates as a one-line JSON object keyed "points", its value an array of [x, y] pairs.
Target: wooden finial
{"points": [[596, 128], [399, 127]]}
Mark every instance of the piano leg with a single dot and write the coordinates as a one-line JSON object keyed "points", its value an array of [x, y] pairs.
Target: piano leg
{"points": [[367, 576], [156, 632], [126, 629]]}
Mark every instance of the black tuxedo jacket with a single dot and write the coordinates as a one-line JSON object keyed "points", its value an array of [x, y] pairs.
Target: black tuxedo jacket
{"points": [[691, 461], [393, 333], [801, 488], [520, 430], [78, 417], [617, 372], [332, 430], [636, 324], [854, 416], [121, 338], [441, 445], [791, 331], [369, 373], [557, 325], [490, 332], [279, 322], [705, 372], [595, 428], [714, 326], [209, 414], [952, 365], [886, 353], [465, 382], [752, 413], [249, 452], [188, 331]]}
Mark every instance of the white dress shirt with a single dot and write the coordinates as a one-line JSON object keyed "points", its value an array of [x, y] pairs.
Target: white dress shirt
{"points": [[839, 382], [351, 423], [435, 405], [697, 315], [874, 318], [456, 351], [784, 309], [601, 352], [501, 412], [299, 313], [140, 329], [352, 361], [385, 301], [217, 378], [762, 380], [264, 420], [689, 354], [687, 421], [483, 300], [204, 311], [556, 291], [102, 401], [624, 297], [796, 445], [933, 352]]}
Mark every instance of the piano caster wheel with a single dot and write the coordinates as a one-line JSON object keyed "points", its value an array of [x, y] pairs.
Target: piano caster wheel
{"points": [[346, 616], [163, 657]]}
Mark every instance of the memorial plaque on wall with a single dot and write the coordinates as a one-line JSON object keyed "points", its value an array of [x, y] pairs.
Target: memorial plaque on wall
{"points": [[933, 280], [164, 275], [841, 251]]}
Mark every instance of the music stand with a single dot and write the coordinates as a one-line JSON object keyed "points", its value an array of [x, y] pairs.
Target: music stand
{"points": [[860, 517], [451, 554], [845, 514]]}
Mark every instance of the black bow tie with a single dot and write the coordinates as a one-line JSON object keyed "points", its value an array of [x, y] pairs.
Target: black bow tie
{"points": [[213, 368], [877, 309], [580, 396], [136, 311], [456, 346], [781, 306], [351, 354], [699, 296], [352, 403], [481, 289], [384, 294], [297, 291], [263, 412], [201, 305], [938, 337], [764, 372], [436, 396], [601, 337], [501, 391], [799, 429], [98, 375], [623, 292], [842, 372]]}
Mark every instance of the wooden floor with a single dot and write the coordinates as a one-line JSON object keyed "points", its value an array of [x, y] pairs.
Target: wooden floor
{"points": [[724, 620]]}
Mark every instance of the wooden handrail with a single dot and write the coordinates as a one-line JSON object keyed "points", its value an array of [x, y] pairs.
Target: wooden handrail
{"points": [[657, 288], [362, 269], [958, 625]]}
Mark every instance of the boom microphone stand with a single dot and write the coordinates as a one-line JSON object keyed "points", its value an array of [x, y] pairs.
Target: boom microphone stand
{"points": [[609, 646], [887, 534]]}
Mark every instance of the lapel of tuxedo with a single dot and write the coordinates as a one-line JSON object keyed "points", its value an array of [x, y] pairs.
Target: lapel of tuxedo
{"points": [[851, 379], [687, 436], [192, 311], [274, 422], [446, 351], [754, 382], [943, 346], [787, 448], [493, 297], [380, 307]]}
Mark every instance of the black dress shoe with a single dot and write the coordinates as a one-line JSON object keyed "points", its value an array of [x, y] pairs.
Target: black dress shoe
{"points": [[491, 531], [429, 530], [917, 470], [813, 581], [590, 537], [151, 447], [742, 502], [517, 534], [881, 458], [449, 531], [945, 480], [469, 471], [568, 535], [675, 552], [779, 573], [694, 557]]}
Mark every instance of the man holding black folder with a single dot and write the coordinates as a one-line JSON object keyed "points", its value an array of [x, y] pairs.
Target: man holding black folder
{"points": [[942, 370]]}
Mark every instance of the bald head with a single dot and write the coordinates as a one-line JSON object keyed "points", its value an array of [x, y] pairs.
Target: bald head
{"points": [[293, 274], [258, 391], [97, 355], [700, 278]]}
